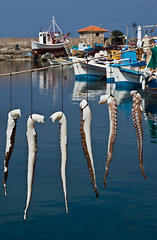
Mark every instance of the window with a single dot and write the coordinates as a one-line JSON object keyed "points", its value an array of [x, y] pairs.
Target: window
{"points": [[97, 34]]}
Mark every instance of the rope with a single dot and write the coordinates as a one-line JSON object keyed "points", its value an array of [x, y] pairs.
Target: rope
{"points": [[87, 80], [139, 65], [110, 74], [31, 95], [10, 91], [62, 88]]}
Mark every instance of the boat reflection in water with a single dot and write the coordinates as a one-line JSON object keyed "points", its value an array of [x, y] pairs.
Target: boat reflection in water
{"points": [[93, 89], [51, 80], [96, 89], [150, 108]]}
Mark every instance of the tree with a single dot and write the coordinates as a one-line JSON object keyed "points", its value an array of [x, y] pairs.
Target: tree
{"points": [[116, 36], [116, 33]]}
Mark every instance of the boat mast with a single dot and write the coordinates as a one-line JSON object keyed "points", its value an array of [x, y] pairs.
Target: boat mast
{"points": [[52, 23], [62, 38], [59, 29]]}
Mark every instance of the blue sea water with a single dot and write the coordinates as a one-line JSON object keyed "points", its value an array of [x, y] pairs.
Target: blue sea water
{"points": [[126, 209]]}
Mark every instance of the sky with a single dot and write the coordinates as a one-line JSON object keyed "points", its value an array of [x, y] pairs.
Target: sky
{"points": [[24, 18]]}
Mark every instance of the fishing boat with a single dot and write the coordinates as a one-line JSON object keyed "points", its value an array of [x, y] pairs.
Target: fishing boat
{"points": [[149, 104], [151, 74], [87, 69], [58, 61], [151, 84], [49, 41], [127, 73]]}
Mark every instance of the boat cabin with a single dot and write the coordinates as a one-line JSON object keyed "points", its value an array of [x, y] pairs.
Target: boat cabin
{"points": [[130, 56], [47, 37]]}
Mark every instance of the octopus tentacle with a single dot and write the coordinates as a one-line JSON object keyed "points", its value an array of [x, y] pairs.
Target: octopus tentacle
{"points": [[86, 141], [10, 141], [63, 148], [32, 150], [137, 119], [112, 105]]}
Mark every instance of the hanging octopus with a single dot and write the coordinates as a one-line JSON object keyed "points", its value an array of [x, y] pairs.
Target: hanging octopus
{"points": [[63, 148], [137, 119], [86, 141], [32, 149], [10, 141], [112, 105]]}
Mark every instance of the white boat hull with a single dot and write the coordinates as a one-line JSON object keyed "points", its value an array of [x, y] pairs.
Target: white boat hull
{"points": [[37, 46], [90, 71], [124, 77]]}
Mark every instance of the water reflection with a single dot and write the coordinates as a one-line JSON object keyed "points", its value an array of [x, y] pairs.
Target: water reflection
{"points": [[95, 89], [51, 80], [124, 101], [15, 66], [121, 201], [150, 108], [48, 80]]}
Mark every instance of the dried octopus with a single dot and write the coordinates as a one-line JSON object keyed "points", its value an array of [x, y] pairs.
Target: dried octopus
{"points": [[10, 141], [63, 148], [86, 141], [112, 105], [32, 149], [137, 119]]}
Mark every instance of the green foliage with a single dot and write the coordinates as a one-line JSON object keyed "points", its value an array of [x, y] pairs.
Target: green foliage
{"points": [[116, 33]]}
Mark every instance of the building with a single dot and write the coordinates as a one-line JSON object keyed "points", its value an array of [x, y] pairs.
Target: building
{"points": [[93, 34]]}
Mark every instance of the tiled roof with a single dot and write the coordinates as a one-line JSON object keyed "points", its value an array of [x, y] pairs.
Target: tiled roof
{"points": [[93, 29]]}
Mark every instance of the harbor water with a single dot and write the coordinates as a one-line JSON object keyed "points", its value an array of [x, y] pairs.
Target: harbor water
{"points": [[126, 209]]}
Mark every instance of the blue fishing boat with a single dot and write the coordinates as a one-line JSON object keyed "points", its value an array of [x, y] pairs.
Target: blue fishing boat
{"points": [[151, 80], [126, 72], [151, 85]]}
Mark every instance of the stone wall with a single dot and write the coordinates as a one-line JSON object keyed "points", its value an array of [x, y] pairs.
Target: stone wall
{"points": [[19, 48], [93, 38], [15, 48], [75, 41]]}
